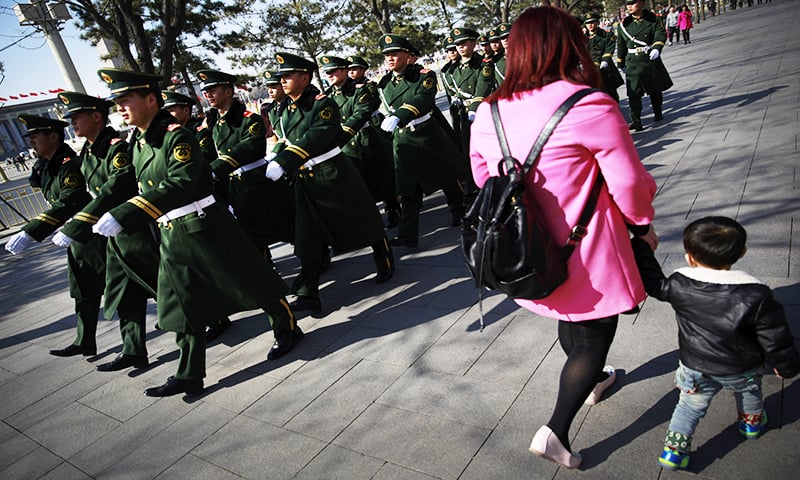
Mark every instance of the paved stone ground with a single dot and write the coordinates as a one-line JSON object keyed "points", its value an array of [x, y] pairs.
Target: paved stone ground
{"points": [[397, 381]]}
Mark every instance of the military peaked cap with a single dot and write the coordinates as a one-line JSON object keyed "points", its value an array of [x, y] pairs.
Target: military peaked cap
{"points": [[329, 63], [500, 31], [449, 43], [591, 17], [77, 102], [41, 124], [212, 78], [354, 61], [122, 82], [460, 34], [272, 77], [289, 62], [391, 42], [483, 40], [172, 99]]}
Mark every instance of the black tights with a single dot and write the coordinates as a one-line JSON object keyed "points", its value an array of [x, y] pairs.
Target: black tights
{"points": [[586, 345]]}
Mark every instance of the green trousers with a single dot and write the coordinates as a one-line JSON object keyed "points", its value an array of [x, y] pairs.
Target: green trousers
{"points": [[87, 310], [132, 311]]}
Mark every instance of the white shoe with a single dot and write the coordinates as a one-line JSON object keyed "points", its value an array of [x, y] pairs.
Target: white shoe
{"points": [[547, 445], [601, 387]]}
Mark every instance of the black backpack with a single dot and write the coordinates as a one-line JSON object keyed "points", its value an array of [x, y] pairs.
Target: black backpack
{"points": [[504, 239]]}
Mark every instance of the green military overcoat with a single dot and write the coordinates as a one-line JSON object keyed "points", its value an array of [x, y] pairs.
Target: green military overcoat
{"points": [[601, 47], [642, 74], [331, 198], [362, 141], [64, 187], [262, 207], [111, 180], [208, 267], [424, 154]]}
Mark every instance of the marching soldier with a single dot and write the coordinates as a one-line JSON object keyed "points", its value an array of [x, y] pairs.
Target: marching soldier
{"points": [[425, 158], [486, 48], [498, 39], [208, 267], [57, 172], [447, 78], [268, 109], [640, 38], [131, 259], [333, 205], [180, 107], [368, 147], [473, 79], [357, 69], [263, 208], [601, 47]]}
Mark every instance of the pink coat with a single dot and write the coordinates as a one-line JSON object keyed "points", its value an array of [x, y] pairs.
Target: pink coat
{"points": [[592, 137], [685, 20]]}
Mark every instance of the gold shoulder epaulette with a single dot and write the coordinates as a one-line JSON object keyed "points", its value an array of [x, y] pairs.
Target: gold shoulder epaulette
{"points": [[173, 126]]}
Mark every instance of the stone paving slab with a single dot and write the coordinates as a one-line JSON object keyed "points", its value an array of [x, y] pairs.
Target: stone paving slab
{"points": [[396, 381]]}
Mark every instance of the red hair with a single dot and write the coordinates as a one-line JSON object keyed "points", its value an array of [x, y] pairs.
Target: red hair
{"points": [[546, 45]]}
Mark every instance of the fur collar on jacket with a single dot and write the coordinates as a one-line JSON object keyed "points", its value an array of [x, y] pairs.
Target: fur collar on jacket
{"points": [[721, 277]]}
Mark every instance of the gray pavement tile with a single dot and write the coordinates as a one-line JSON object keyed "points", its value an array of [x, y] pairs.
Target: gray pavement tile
{"points": [[390, 471], [39, 461], [516, 352], [120, 398], [36, 411], [195, 468], [235, 389], [72, 428], [451, 397], [337, 463], [109, 449], [253, 449], [40, 382], [283, 402], [65, 471], [170, 444], [335, 408], [427, 444], [401, 348], [13, 445], [6, 376]]}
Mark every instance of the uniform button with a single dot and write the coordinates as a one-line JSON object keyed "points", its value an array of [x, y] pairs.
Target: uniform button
{"points": [[150, 183], [97, 188]]}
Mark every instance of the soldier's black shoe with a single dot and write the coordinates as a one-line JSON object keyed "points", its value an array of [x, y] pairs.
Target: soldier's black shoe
{"points": [[122, 362], [175, 386], [73, 350], [384, 274], [284, 343], [216, 330], [392, 218], [658, 117], [636, 126], [304, 302], [400, 241]]}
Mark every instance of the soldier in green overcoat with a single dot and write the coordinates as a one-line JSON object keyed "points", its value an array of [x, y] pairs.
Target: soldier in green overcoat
{"points": [[58, 174], [425, 157], [263, 208], [640, 39], [361, 140], [208, 267], [601, 47], [333, 204], [131, 259], [498, 39]]}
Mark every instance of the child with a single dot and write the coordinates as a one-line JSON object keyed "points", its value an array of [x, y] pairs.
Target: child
{"points": [[728, 324]]}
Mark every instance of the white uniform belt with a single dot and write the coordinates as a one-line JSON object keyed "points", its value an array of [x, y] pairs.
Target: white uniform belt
{"points": [[91, 193], [193, 207], [639, 50], [321, 158], [249, 166], [419, 120]]}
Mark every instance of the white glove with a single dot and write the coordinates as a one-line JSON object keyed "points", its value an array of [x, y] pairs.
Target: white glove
{"points": [[61, 240], [107, 226], [18, 242], [603, 64], [471, 116], [274, 171], [390, 123], [654, 53], [270, 156]]}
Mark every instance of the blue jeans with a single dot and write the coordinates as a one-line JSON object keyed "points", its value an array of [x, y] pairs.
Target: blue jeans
{"points": [[698, 389]]}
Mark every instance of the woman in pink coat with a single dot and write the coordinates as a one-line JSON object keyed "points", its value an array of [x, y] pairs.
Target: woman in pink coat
{"points": [[544, 66], [685, 23]]}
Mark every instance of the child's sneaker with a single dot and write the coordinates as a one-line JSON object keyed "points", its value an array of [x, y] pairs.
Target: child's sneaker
{"points": [[751, 431], [673, 460]]}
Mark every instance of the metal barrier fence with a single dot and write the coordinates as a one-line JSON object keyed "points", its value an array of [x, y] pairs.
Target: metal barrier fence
{"points": [[18, 205]]}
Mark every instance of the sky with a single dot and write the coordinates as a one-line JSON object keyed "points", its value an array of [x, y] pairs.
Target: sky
{"points": [[30, 65]]}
